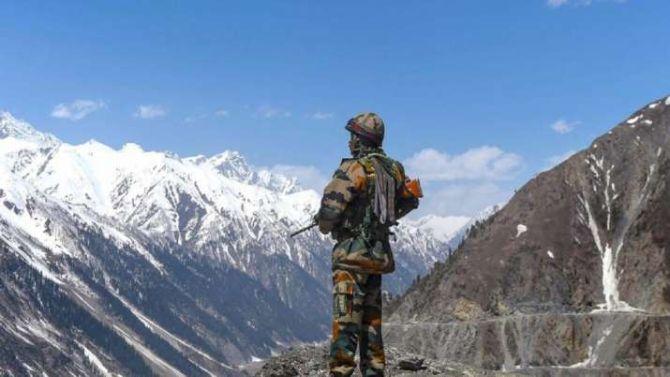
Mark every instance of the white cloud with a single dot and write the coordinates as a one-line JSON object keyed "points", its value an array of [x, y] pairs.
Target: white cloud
{"points": [[482, 163], [466, 183], [195, 118], [460, 185], [560, 3], [563, 127], [270, 112], [556, 3], [308, 176], [77, 109], [223, 113], [461, 199], [149, 112], [319, 115], [220, 113]]}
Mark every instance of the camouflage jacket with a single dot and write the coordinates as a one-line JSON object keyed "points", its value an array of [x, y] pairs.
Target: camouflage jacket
{"points": [[362, 243]]}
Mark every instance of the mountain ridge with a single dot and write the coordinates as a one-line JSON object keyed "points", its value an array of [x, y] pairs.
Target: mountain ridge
{"points": [[571, 273], [188, 260]]}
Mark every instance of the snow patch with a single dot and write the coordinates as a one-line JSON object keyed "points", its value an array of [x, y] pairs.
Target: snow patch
{"points": [[634, 120], [592, 359], [40, 329], [162, 332], [521, 229], [35, 259], [144, 351], [28, 367], [94, 360], [608, 256]]}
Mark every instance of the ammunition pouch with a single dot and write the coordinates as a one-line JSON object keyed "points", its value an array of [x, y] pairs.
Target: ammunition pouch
{"points": [[359, 255]]}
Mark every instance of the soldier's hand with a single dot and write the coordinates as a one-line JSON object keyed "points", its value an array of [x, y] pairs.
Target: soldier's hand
{"points": [[323, 229]]}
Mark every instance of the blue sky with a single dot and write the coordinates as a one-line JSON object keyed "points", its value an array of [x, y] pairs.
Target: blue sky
{"points": [[478, 96]]}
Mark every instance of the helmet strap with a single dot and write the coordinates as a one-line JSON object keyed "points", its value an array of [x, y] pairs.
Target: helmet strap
{"points": [[365, 150], [355, 145]]}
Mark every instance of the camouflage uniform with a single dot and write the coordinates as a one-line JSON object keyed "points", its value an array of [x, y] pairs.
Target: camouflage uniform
{"points": [[357, 319], [362, 253]]}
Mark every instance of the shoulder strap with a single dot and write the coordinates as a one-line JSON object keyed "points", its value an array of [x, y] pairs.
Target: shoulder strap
{"points": [[366, 162], [391, 166], [385, 187]]}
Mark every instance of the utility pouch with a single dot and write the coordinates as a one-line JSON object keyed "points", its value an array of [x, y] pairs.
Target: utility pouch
{"points": [[413, 188], [358, 255], [343, 296], [409, 197]]}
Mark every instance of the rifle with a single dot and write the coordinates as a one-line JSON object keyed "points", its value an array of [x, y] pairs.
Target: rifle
{"points": [[308, 227]]}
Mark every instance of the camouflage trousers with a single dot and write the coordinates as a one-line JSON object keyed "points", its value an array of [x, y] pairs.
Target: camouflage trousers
{"points": [[357, 320]]}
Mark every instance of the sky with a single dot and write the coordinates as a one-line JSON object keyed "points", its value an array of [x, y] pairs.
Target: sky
{"points": [[477, 96]]}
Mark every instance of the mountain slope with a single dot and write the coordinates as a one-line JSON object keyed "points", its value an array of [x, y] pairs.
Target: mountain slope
{"points": [[218, 207], [169, 308], [185, 259], [579, 257]]}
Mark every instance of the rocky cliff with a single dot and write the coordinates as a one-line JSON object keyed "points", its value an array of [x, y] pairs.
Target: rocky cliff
{"points": [[571, 276], [311, 361]]}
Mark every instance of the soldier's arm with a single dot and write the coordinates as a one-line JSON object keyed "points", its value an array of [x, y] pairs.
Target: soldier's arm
{"points": [[347, 182], [406, 202]]}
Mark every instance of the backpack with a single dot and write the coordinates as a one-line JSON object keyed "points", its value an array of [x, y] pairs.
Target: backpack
{"points": [[392, 194]]}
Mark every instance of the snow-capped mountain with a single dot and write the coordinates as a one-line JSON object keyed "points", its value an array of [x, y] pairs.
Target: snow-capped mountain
{"points": [[452, 230], [461, 234], [188, 260], [444, 228]]}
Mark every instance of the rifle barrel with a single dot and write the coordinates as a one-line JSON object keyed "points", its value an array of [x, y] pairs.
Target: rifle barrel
{"points": [[308, 227]]}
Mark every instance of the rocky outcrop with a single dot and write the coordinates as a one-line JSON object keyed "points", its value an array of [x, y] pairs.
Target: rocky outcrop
{"points": [[571, 276], [313, 360], [579, 342], [572, 345]]}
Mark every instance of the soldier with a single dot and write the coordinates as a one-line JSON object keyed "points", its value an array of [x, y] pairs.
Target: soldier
{"points": [[365, 197]]}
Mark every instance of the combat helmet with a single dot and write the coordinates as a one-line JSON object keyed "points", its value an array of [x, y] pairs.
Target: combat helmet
{"points": [[368, 126]]}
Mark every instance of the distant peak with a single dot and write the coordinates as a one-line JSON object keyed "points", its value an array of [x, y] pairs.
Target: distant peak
{"points": [[12, 127], [232, 164], [229, 158], [444, 228], [651, 110], [93, 142], [197, 159], [132, 147]]}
